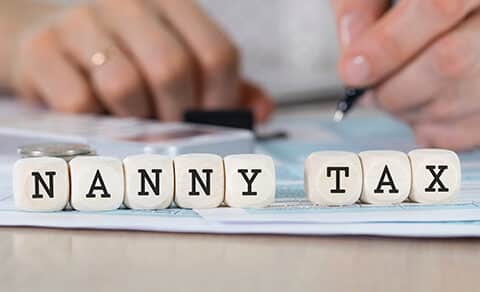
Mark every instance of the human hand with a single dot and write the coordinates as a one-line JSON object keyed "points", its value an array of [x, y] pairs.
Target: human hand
{"points": [[421, 59], [151, 58]]}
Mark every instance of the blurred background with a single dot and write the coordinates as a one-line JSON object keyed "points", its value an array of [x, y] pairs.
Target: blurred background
{"points": [[288, 46]]}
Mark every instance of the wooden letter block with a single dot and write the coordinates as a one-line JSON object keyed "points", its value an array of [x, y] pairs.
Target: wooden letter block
{"points": [[41, 184], [386, 177], [97, 183], [149, 182], [436, 175], [249, 181], [333, 178], [199, 181]]}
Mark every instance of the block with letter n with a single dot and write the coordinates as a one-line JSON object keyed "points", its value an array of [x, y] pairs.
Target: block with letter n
{"points": [[41, 184]]}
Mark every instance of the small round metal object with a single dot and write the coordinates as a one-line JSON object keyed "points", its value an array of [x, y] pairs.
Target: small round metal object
{"points": [[66, 151]]}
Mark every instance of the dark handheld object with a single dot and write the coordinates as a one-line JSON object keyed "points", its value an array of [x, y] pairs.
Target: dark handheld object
{"points": [[242, 119], [346, 103]]}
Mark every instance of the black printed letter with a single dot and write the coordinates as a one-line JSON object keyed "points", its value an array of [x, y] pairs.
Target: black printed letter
{"points": [[249, 181], [154, 186], [389, 182], [337, 170], [204, 185], [98, 178], [436, 178], [39, 180]]}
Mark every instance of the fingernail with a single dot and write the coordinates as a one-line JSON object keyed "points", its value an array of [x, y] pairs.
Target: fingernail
{"points": [[357, 71], [350, 27]]}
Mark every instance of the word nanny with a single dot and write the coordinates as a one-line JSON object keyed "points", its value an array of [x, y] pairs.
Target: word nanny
{"points": [[96, 183], [382, 177]]}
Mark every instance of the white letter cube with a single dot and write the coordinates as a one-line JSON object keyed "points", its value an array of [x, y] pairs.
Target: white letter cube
{"points": [[249, 181], [199, 181], [97, 183], [386, 177], [41, 184], [149, 181], [436, 175], [333, 178]]}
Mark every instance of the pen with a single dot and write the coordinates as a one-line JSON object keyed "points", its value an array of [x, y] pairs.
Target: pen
{"points": [[346, 103]]}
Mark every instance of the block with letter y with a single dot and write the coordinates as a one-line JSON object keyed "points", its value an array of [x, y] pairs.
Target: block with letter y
{"points": [[41, 184], [199, 181], [97, 183], [249, 180]]}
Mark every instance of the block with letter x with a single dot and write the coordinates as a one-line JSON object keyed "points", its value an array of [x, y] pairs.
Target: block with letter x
{"points": [[436, 175]]}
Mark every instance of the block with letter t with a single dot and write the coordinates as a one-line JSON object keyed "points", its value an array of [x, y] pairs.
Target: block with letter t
{"points": [[199, 181], [333, 178], [41, 184], [387, 177], [149, 182], [249, 180], [436, 175], [97, 183]]}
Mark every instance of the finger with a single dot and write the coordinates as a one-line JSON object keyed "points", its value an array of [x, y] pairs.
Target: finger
{"points": [[23, 86], [354, 17], [460, 136], [432, 80], [54, 77], [216, 56], [117, 83], [164, 62], [451, 105], [256, 100], [455, 106], [388, 45]]}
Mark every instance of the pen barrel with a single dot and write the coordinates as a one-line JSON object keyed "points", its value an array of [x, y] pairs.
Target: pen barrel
{"points": [[351, 96]]}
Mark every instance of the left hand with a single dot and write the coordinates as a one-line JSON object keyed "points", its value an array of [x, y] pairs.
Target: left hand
{"points": [[422, 59], [139, 58]]}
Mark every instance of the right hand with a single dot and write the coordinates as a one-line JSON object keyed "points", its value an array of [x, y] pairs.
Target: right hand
{"points": [[161, 57], [421, 61]]}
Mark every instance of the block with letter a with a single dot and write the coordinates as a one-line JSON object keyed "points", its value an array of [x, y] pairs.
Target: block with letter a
{"points": [[436, 175], [333, 178], [97, 183], [41, 184], [249, 180], [386, 177], [199, 181], [149, 182]]}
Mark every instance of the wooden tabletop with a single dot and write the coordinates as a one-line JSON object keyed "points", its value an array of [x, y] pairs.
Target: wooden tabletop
{"points": [[81, 260]]}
